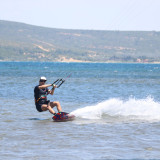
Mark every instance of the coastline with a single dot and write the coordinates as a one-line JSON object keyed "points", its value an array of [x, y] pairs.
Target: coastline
{"points": [[79, 61]]}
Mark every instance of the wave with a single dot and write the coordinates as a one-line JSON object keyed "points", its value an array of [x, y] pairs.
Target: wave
{"points": [[144, 109]]}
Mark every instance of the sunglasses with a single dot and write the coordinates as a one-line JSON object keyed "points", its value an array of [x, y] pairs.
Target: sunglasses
{"points": [[42, 81]]}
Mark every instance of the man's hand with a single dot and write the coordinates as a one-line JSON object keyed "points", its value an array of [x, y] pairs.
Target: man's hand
{"points": [[54, 86]]}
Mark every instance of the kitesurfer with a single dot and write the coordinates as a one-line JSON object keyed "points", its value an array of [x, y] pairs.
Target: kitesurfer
{"points": [[40, 93]]}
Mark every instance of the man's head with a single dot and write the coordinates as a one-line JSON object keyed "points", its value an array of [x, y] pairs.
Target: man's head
{"points": [[42, 80]]}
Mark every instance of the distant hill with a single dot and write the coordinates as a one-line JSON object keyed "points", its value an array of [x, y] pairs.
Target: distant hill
{"points": [[23, 42]]}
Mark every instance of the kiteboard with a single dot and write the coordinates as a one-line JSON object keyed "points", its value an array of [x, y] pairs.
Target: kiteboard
{"points": [[63, 117]]}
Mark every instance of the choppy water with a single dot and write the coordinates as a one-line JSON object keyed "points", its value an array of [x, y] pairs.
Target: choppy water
{"points": [[117, 108]]}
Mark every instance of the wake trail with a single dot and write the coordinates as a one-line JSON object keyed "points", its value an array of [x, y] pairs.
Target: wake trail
{"points": [[146, 109]]}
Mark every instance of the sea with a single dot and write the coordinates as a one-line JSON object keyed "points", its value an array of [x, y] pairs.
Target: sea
{"points": [[117, 109]]}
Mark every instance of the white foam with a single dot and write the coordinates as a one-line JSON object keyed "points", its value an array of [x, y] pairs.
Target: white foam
{"points": [[141, 108]]}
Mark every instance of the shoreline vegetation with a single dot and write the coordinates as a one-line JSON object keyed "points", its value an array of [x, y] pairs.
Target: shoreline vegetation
{"points": [[81, 62], [23, 42]]}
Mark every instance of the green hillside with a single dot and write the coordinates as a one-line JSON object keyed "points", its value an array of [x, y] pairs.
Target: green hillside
{"points": [[23, 42]]}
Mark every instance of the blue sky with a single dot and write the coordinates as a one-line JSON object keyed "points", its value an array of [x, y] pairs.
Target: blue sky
{"points": [[85, 14]]}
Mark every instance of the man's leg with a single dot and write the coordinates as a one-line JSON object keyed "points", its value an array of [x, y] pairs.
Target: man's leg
{"points": [[46, 107], [57, 105]]}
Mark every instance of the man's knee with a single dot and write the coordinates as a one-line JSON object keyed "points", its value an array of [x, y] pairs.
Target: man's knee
{"points": [[57, 103]]}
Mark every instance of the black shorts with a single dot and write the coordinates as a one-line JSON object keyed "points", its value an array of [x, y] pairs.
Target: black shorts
{"points": [[38, 106]]}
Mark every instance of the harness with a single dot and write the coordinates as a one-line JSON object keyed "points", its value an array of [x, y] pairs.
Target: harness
{"points": [[41, 97]]}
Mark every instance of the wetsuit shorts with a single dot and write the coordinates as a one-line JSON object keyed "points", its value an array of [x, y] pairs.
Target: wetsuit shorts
{"points": [[38, 106]]}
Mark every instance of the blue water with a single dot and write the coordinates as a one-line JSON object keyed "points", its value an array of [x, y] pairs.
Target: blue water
{"points": [[117, 108]]}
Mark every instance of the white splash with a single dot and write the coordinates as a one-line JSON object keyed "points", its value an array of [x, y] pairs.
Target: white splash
{"points": [[146, 109]]}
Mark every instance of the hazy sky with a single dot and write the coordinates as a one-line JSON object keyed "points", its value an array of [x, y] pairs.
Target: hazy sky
{"points": [[84, 14]]}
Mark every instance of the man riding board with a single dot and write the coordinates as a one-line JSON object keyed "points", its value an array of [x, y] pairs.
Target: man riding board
{"points": [[40, 93]]}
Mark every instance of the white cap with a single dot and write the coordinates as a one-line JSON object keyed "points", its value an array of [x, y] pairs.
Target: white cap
{"points": [[43, 78]]}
